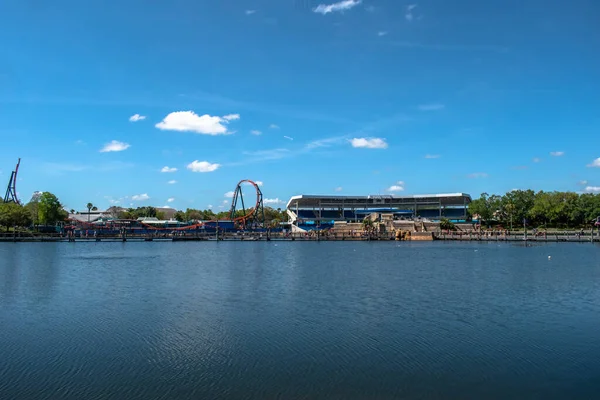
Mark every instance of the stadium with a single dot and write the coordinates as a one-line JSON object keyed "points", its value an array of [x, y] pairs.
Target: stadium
{"points": [[308, 212]]}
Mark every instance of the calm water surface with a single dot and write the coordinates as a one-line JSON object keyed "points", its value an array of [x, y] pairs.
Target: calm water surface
{"points": [[299, 321]]}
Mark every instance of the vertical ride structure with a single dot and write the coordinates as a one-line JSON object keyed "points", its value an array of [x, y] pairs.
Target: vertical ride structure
{"points": [[11, 190], [251, 218]]}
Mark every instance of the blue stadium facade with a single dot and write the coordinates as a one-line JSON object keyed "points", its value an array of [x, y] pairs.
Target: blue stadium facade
{"points": [[311, 211]]}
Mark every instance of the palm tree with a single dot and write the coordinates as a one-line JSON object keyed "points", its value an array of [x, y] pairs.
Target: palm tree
{"points": [[89, 207], [72, 211]]}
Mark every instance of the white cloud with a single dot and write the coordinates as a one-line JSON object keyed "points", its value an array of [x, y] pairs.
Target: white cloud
{"points": [[258, 183], [209, 206], [595, 163], [137, 117], [140, 197], [476, 175], [592, 189], [229, 194], [114, 145], [272, 201], [170, 199], [168, 170], [189, 121], [409, 14], [432, 156], [273, 126], [289, 138], [335, 7], [250, 12], [369, 143], [202, 166], [432, 107], [256, 132], [382, 33], [172, 182], [557, 153], [338, 189], [396, 188], [231, 117], [536, 159], [225, 202], [582, 183]]}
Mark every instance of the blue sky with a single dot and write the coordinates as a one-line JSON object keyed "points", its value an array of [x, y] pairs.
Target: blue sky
{"points": [[307, 97]]}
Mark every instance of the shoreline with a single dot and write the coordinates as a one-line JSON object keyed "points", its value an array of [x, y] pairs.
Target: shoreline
{"points": [[564, 237]]}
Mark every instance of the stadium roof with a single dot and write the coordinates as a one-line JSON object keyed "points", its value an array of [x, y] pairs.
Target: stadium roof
{"points": [[445, 199]]}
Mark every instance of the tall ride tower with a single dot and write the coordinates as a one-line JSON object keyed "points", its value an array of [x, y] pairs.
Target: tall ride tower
{"points": [[11, 190]]}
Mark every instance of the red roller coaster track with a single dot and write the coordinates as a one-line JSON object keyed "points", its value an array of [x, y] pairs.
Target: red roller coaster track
{"points": [[253, 215]]}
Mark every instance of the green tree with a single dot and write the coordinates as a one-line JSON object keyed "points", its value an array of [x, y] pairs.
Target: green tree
{"points": [[445, 223], [180, 216], [50, 209], [486, 207], [13, 214]]}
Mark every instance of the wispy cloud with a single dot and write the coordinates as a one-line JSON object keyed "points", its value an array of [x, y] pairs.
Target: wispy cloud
{"points": [[595, 163], [140, 197], [202, 166], [536, 159], [451, 47], [270, 154], [114, 145], [521, 167], [256, 132], [557, 153], [137, 117], [273, 126], [369, 143], [229, 194], [477, 175], [431, 107], [288, 137], [53, 168], [338, 189], [172, 182], [432, 156], [170, 199], [189, 121], [382, 33], [592, 189], [273, 201], [327, 142], [250, 12], [409, 12], [167, 169], [582, 183], [336, 7]]}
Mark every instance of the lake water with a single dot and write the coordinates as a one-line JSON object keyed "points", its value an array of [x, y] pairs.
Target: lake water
{"points": [[336, 320]]}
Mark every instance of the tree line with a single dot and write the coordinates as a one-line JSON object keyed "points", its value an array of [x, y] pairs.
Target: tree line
{"points": [[537, 209], [44, 208]]}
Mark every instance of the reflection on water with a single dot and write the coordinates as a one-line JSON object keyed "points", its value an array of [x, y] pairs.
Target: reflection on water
{"points": [[299, 320], [30, 270]]}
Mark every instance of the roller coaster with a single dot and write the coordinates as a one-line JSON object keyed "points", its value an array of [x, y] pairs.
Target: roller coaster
{"points": [[240, 218], [11, 190]]}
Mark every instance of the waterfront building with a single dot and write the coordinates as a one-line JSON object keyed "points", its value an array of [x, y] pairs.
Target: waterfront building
{"points": [[316, 210]]}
